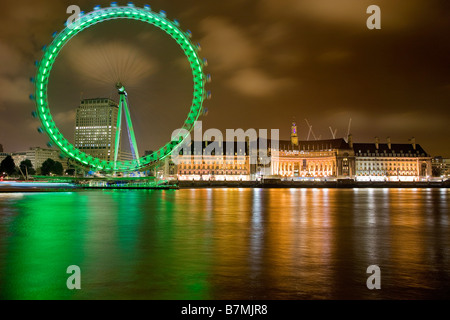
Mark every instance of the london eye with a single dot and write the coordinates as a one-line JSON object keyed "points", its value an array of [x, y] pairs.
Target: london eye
{"points": [[86, 21]]}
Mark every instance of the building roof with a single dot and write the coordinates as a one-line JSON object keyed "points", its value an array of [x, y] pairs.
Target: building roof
{"points": [[98, 101], [225, 147], [402, 148], [315, 145]]}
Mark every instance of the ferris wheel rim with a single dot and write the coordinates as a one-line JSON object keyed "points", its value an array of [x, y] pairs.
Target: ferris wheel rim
{"points": [[86, 21]]}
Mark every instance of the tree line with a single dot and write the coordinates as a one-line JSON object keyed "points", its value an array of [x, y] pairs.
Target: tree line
{"points": [[25, 168]]}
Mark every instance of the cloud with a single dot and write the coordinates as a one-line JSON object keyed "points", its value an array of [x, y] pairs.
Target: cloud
{"points": [[14, 90], [408, 120], [334, 55], [227, 46], [395, 14], [12, 60], [236, 56], [255, 83], [65, 118]]}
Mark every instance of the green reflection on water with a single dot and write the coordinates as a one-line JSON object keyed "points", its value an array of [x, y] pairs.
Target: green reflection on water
{"points": [[127, 244], [45, 235]]}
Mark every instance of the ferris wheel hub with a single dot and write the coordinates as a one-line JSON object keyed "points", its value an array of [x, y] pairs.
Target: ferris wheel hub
{"points": [[121, 88]]}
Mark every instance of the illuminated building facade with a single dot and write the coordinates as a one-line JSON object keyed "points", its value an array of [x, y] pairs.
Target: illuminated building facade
{"points": [[295, 160], [38, 156], [391, 162], [341, 159], [18, 157], [313, 159], [95, 129], [440, 167], [227, 162]]}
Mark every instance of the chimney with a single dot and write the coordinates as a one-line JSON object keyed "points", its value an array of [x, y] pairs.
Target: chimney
{"points": [[389, 143], [413, 142], [377, 143], [350, 140]]}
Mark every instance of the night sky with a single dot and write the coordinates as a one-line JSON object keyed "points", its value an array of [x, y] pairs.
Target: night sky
{"points": [[270, 61]]}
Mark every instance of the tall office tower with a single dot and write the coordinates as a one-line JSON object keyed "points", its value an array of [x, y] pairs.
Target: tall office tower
{"points": [[95, 129]]}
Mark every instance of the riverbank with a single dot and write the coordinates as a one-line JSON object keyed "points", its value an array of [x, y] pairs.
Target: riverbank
{"points": [[309, 184], [12, 187]]}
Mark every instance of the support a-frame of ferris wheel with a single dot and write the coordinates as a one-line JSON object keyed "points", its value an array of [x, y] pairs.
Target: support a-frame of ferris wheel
{"points": [[123, 109]]}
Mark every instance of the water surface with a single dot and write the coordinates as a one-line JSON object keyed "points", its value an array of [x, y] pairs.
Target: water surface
{"points": [[270, 244]]}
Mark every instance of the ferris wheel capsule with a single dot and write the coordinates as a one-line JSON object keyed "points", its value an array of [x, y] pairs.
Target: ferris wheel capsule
{"points": [[49, 144], [31, 97], [176, 22], [147, 7], [130, 4], [205, 62], [40, 130], [54, 34], [209, 95], [34, 114], [114, 4], [97, 7], [162, 13], [189, 33], [208, 78], [32, 80]]}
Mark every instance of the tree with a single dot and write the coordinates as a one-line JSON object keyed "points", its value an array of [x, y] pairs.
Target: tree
{"points": [[27, 167], [47, 167], [58, 169], [52, 167], [8, 166], [70, 172]]}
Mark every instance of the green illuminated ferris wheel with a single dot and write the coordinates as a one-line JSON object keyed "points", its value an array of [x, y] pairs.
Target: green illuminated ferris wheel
{"points": [[99, 15]]}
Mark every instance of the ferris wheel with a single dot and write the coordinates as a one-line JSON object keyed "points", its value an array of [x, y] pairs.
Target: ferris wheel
{"points": [[87, 20]]}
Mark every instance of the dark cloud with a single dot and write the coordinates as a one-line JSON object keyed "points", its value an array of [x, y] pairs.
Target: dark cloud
{"points": [[270, 61]]}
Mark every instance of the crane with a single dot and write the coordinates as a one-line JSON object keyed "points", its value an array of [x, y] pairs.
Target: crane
{"points": [[333, 133], [348, 131], [310, 130]]}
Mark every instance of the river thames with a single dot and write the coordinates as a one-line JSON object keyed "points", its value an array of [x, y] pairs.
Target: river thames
{"points": [[226, 244]]}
